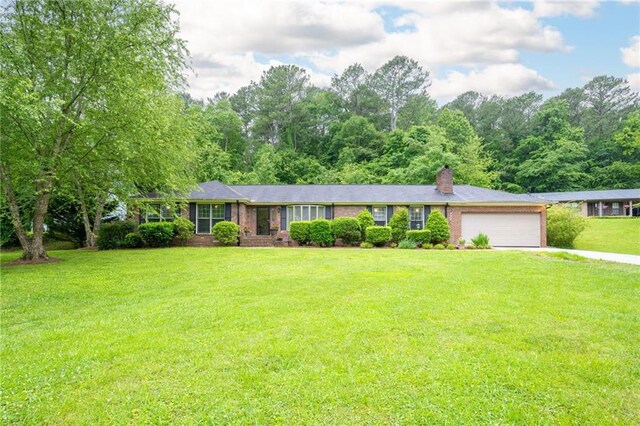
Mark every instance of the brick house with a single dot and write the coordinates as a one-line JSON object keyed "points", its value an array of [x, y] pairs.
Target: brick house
{"points": [[613, 202], [265, 211]]}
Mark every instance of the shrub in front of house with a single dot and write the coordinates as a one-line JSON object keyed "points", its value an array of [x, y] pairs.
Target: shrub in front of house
{"points": [[365, 219], [451, 246], [378, 235], [420, 237], [407, 244], [132, 240], [366, 245], [399, 224], [427, 246], [111, 235], [564, 224], [183, 229], [157, 234], [347, 229], [438, 225], [439, 247], [481, 241], [321, 233], [226, 232], [300, 232]]}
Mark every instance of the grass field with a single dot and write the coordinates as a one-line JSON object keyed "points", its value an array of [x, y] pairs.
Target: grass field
{"points": [[322, 336], [611, 235]]}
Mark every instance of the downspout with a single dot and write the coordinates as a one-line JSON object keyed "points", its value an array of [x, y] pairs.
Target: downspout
{"points": [[238, 220], [333, 211], [446, 210]]}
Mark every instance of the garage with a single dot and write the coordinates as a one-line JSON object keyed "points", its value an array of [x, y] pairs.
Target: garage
{"points": [[503, 229]]}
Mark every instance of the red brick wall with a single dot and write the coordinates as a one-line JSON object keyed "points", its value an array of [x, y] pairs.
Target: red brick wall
{"points": [[455, 218]]}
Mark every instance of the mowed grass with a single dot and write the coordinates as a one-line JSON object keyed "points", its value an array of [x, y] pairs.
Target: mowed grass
{"points": [[319, 336], [611, 235]]}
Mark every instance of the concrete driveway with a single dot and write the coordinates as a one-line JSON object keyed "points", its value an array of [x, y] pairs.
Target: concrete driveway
{"points": [[599, 255]]}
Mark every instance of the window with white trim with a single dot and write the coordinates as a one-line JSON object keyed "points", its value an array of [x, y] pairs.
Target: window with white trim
{"points": [[208, 215], [415, 214], [158, 213], [379, 215], [304, 212], [615, 207]]}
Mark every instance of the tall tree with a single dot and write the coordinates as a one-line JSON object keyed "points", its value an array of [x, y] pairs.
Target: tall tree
{"points": [[397, 81], [61, 65]]}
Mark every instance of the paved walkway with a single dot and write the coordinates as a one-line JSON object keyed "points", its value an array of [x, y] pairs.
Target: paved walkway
{"points": [[599, 255]]}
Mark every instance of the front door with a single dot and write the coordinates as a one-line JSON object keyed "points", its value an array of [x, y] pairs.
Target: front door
{"points": [[263, 220]]}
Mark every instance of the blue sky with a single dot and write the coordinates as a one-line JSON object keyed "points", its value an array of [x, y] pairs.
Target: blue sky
{"points": [[492, 47]]}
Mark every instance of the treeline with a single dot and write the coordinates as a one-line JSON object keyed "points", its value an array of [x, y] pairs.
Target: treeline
{"points": [[384, 128]]}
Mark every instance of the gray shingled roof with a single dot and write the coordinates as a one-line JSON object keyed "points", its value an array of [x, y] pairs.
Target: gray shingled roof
{"points": [[612, 194], [357, 194]]}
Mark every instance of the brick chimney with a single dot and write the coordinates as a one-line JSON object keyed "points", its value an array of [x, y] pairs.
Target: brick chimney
{"points": [[444, 180]]}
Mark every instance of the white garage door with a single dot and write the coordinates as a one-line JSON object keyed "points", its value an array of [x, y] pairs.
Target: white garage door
{"points": [[503, 229]]}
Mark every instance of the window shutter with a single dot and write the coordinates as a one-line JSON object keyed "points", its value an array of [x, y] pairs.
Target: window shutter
{"points": [[283, 218], [227, 212], [389, 213], [370, 208], [327, 212], [192, 212], [427, 210]]}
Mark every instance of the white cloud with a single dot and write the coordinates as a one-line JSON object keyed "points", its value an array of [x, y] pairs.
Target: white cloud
{"points": [[581, 8], [501, 79], [230, 41], [631, 54], [634, 81]]}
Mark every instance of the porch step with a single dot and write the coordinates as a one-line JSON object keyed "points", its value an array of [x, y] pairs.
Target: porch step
{"points": [[261, 241]]}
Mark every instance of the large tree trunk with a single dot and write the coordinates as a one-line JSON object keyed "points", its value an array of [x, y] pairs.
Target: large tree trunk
{"points": [[32, 248], [91, 231]]}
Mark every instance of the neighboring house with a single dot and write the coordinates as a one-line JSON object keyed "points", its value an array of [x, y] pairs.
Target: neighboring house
{"points": [[614, 202], [508, 219]]}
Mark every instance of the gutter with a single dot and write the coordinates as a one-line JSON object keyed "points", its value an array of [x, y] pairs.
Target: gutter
{"points": [[238, 219]]}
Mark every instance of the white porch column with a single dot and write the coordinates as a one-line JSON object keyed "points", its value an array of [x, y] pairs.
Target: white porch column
{"points": [[600, 208]]}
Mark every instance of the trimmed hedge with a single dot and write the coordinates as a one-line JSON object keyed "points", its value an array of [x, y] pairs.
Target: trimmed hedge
{"points": [[438, 225], [347, 229], [111, 235], [133, 240], [399, 224], [183, 229], [321, 233], [226, 232], [564, 224], [420, 237], [157, 234], [378, 235], [300, 232], [365, 219]]}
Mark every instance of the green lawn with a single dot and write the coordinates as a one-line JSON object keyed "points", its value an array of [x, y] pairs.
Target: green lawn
{"points": [[611, 235], [317, 336]]}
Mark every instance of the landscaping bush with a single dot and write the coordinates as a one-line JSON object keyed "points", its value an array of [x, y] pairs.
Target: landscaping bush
{"points": [[564, 224], [419, 237], [300, 232], [481, 241], [365, 219], [226, 233], [111, 235], [427, 246], [321, 233], [451, 246], [399, 224], [347, 229], [378, 235], [439, 247], [438, 225], [183, 229], [157, 234], [366, 245], [461, 242], [133, 240], [407, 244]]}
